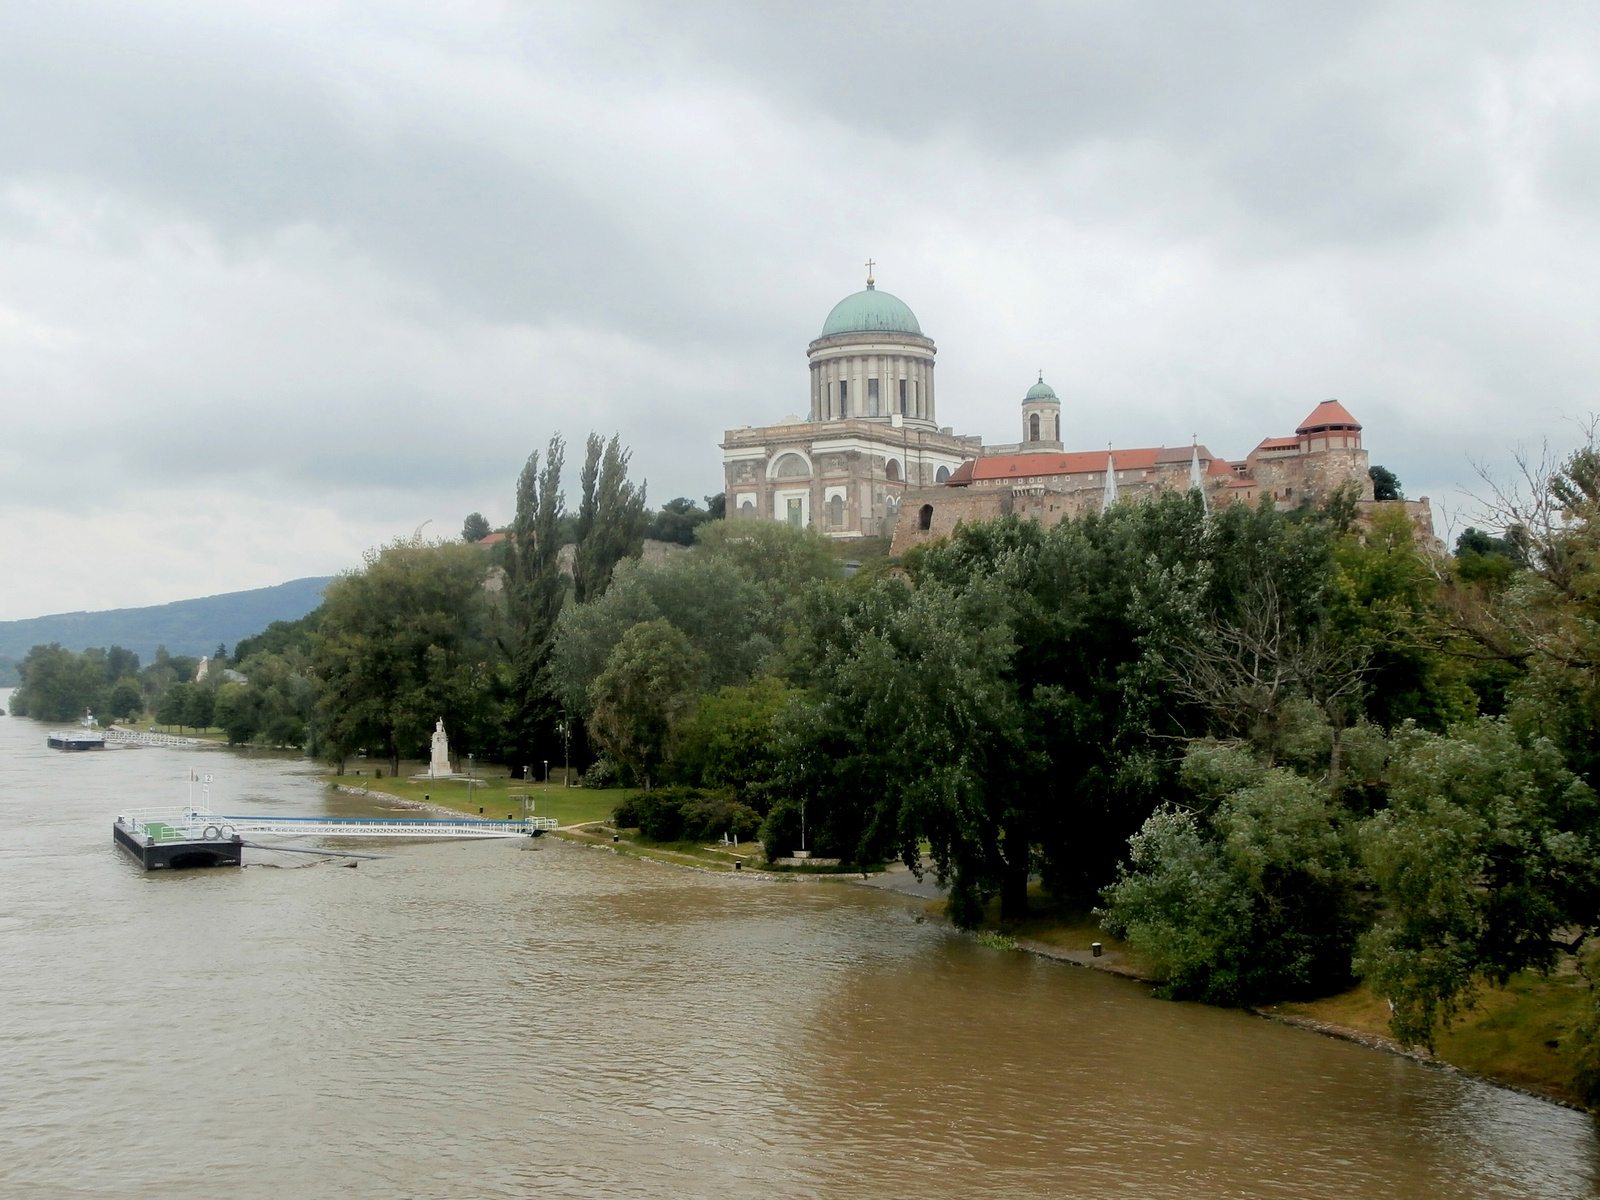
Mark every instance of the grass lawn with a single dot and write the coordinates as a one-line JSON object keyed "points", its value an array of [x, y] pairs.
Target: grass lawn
{"points": [[1514, 1034], [569, 806]]}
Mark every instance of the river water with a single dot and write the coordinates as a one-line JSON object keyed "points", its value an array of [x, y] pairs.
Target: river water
{"points": [[540, 1019]]}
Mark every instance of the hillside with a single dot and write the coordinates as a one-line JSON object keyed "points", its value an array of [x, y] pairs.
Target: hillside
{"points": [[183, 627]]}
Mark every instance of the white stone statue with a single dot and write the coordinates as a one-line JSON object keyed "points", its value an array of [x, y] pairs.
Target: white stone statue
{"points": [[440, 766]]}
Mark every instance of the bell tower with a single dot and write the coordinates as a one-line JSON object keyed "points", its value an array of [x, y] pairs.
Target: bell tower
{"points": [[1041, 418]]}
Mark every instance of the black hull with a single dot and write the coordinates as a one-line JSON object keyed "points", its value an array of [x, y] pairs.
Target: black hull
{"points": [[178, 856], [69, 743]]}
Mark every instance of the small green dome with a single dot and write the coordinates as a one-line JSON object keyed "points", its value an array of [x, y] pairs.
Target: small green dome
{"points": [[1040, 390], [871, 311]]}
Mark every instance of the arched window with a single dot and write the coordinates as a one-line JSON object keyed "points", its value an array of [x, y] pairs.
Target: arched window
{"points": [[892, 471], [941, 474], [790, 466], [1033, 427], [925, 517], [747, 509], [836, 512]]}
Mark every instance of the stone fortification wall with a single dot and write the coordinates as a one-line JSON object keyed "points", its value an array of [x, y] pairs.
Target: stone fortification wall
{"points": [[1316, 475]]}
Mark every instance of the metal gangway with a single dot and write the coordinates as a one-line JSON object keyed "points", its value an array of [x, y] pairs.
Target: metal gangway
{"points": [[136, 737], [193, 824]]}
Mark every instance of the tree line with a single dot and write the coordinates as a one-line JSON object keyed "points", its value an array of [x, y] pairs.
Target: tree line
{"points": [[1280, 751]]}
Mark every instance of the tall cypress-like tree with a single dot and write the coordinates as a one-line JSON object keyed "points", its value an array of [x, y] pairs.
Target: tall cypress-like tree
{"points": [[535, 593], [611, 520]]}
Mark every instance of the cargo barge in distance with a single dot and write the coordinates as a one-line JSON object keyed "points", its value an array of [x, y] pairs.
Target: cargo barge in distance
{"points": [[76, 739]]}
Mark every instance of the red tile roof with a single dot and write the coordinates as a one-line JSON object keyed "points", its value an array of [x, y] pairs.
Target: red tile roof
{"points": [[1329, 412], [492, 538], [1075, 462]]}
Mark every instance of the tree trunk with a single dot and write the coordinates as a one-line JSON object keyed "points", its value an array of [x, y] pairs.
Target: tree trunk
{"points": [[1014, 881]]}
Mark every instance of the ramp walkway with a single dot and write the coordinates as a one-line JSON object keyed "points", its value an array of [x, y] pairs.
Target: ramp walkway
{"points": [[190, 824]]}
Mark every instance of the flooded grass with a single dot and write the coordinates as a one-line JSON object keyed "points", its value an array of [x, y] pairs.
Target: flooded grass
{"points": [[1514, 1035]]}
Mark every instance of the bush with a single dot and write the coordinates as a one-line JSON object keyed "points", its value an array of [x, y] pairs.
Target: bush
{"points": [[660, 813], [678, 814], [602, 773], [718, 813], [1254, 904]]}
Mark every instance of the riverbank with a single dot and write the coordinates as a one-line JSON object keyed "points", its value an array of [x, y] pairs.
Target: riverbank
{"points": [[1512, 1038]]}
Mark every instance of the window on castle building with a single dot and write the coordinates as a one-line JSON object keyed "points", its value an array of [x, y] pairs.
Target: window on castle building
{"points": [[1033, 427], [892, 471], [941, 474], [872, 396], [795, 513], [836, 512], [844, 397], [903, 397], [925, 517]]}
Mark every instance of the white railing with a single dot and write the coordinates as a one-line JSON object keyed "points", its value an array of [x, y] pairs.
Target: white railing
{"points": [[198, 825], [138, 737], [376, 827]]}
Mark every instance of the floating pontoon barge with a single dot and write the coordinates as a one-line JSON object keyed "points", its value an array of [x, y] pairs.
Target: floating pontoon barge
{"points": [[76, 739]]}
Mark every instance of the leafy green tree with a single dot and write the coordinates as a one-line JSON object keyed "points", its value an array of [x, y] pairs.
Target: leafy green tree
{"points": [[1248, 899], [173, 706], [275, 705], [125, 700], [1488, 849], [733, 599], [730, 741], [121, 663], [1383, 605], [677, 521], [475, 528], [199, 706], [165, 670], [647, 687], [611, 517], [1385, 484], [911, 732], [280, 637], [59, 685], [409, 639]]}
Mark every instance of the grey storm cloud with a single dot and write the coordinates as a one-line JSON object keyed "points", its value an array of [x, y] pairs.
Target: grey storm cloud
{"points": [[335, 268]]}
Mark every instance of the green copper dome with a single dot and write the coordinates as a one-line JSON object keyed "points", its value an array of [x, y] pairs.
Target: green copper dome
{"points": [[1041, 391], [871, 311]]}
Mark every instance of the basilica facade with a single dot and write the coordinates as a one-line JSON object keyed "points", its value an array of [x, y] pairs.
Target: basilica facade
{"points": [[871, 460], [871, 432]]}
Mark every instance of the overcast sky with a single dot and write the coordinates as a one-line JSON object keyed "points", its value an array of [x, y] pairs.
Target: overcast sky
{"points": [[282, 280]]}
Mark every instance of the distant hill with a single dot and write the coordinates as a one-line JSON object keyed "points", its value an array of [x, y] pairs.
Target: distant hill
{"points": [[183, 627]]}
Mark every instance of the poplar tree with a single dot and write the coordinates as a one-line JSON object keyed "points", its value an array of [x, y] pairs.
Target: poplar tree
{"points": [[611, 517], [535, 594]]}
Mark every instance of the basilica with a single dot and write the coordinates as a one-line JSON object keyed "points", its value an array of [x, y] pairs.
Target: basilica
{"points": [[870, 458]]}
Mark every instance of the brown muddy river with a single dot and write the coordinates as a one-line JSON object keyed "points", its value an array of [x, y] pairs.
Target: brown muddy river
{"points": [[537, 1019]]}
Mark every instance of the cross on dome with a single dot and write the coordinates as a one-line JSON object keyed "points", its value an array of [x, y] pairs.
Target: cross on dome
{"points": [[870, 265]]}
